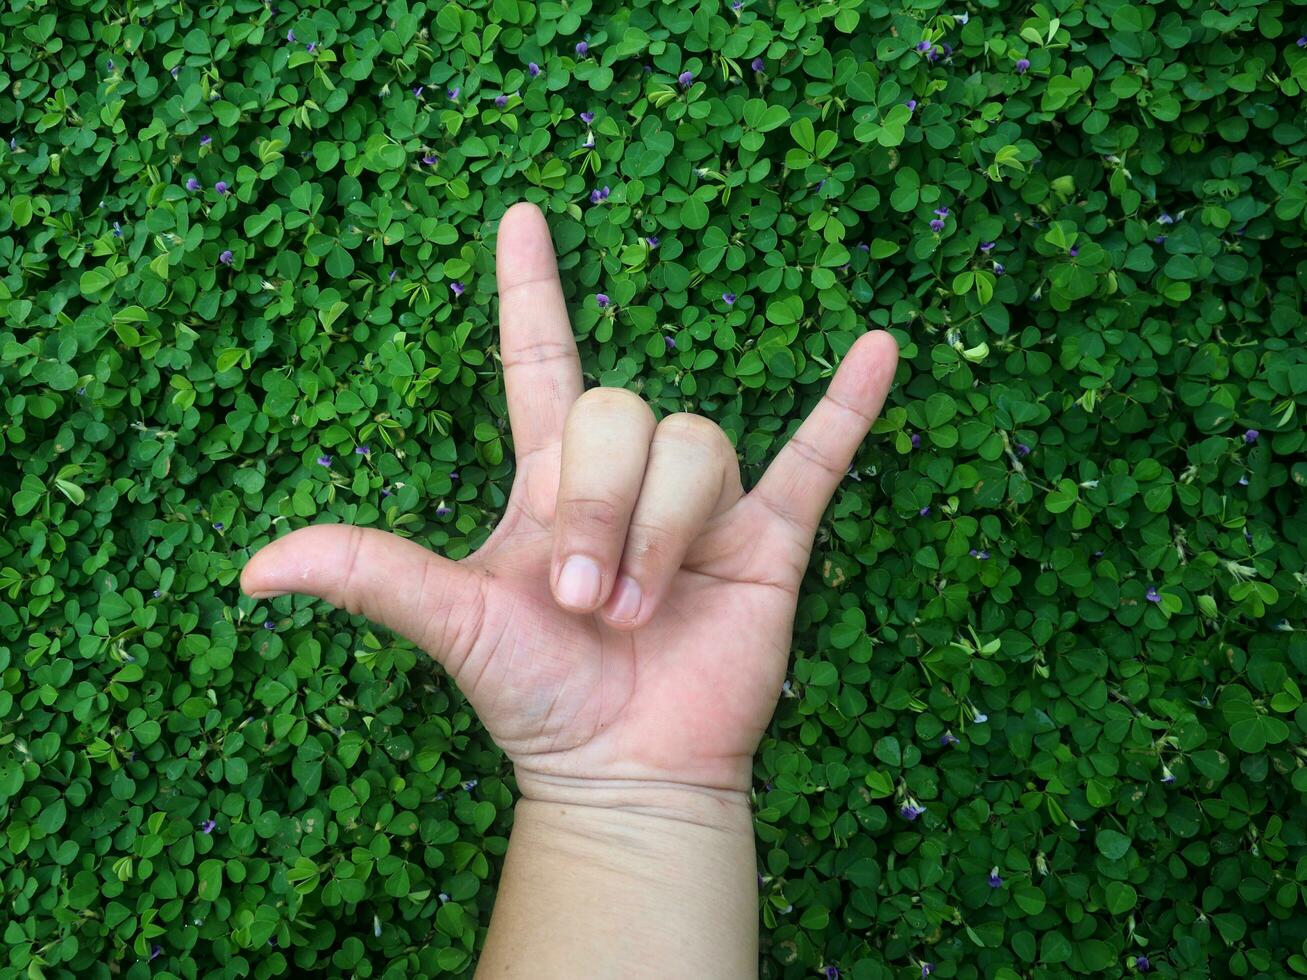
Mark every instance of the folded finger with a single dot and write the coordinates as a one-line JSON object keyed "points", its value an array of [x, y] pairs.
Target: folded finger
{"points": [[692, 475], [605, 448]]}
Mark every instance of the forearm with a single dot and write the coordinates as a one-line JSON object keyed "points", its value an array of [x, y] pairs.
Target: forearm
{"points": [[649, 882]]}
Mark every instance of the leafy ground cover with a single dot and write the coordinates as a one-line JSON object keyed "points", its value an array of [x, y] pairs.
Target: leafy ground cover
{"points": [[1045, 715]]}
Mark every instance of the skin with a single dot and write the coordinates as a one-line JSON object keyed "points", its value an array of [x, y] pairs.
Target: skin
{"points": [[631, 720]]}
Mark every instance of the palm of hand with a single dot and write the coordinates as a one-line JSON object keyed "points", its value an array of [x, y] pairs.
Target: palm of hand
{"points": [[684, 698], [678, 695]]}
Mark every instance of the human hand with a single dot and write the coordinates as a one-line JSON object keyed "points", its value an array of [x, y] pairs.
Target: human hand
{"points": [[658, 659]]}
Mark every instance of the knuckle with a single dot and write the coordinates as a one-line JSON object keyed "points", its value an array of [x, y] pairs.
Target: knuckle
{"points": [[652, 544], [816, 455], [695, 430], [591, 515], [614, 400]]}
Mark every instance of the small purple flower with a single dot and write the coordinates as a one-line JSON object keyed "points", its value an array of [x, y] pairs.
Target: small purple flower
{"points": [[157, 950], [737, 6], [582, 49], [192, 184], [205, 140], [910, 810], [911, 104], [832, 973], [209, 825], [324, 460], [418, 89], [1074, 252], [1168, 777], [453, 93], [1159, 239], [1023, 65], [470, 785], [226, 257], [221, 187], [311, 47], [175, 70], [1023, 449], [670, 341], [598, 194], [916, 440], [1302, 41], [430, 160], [457, 288], [217, 525], [994, 880], [363, 450], [686, 78], [948, 738], [923, 46], [652, 241], [999, 268], [268, 624], [1141, 962], [290, 35], [1152, 594], [927, 969], [393, 274], [603, 300], [924, 512], [1243, 480], [110, 64], [1165, 219], [942, 212], [442, 510], [156, 593], [587, 117], [987, 247], [936, 224], [533, 69], [117, 230], [864, 247], [728, 299], [1251, 436], [758, 65], [501, 101], [589, 140]]}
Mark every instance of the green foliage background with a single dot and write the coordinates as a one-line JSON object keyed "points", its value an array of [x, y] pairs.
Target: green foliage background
{"points": [[1081, 422]]}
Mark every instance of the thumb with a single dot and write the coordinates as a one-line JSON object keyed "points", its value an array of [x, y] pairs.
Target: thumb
{"points": [[436, 603]]}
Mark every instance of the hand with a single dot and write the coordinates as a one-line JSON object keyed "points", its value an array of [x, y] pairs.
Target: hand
{"points": [[628, 623]]}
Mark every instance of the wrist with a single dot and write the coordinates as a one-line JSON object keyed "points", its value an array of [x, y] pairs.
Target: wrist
{"points": [[705, 806]]}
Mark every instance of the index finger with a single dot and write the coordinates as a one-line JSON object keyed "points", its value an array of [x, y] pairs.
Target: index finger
{"points": [[802, 478], [542, 372]]}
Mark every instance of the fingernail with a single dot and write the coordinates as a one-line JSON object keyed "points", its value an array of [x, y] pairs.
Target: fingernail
{"points": [[267, 595], [578, 583], [624, 606]]}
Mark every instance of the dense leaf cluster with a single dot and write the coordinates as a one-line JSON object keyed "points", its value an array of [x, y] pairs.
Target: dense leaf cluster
{"points": [[1045, 715]]}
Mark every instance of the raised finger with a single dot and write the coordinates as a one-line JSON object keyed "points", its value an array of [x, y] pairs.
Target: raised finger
{"points": [[605, 447], [542, 373], [692, 475], [802, 478]]}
